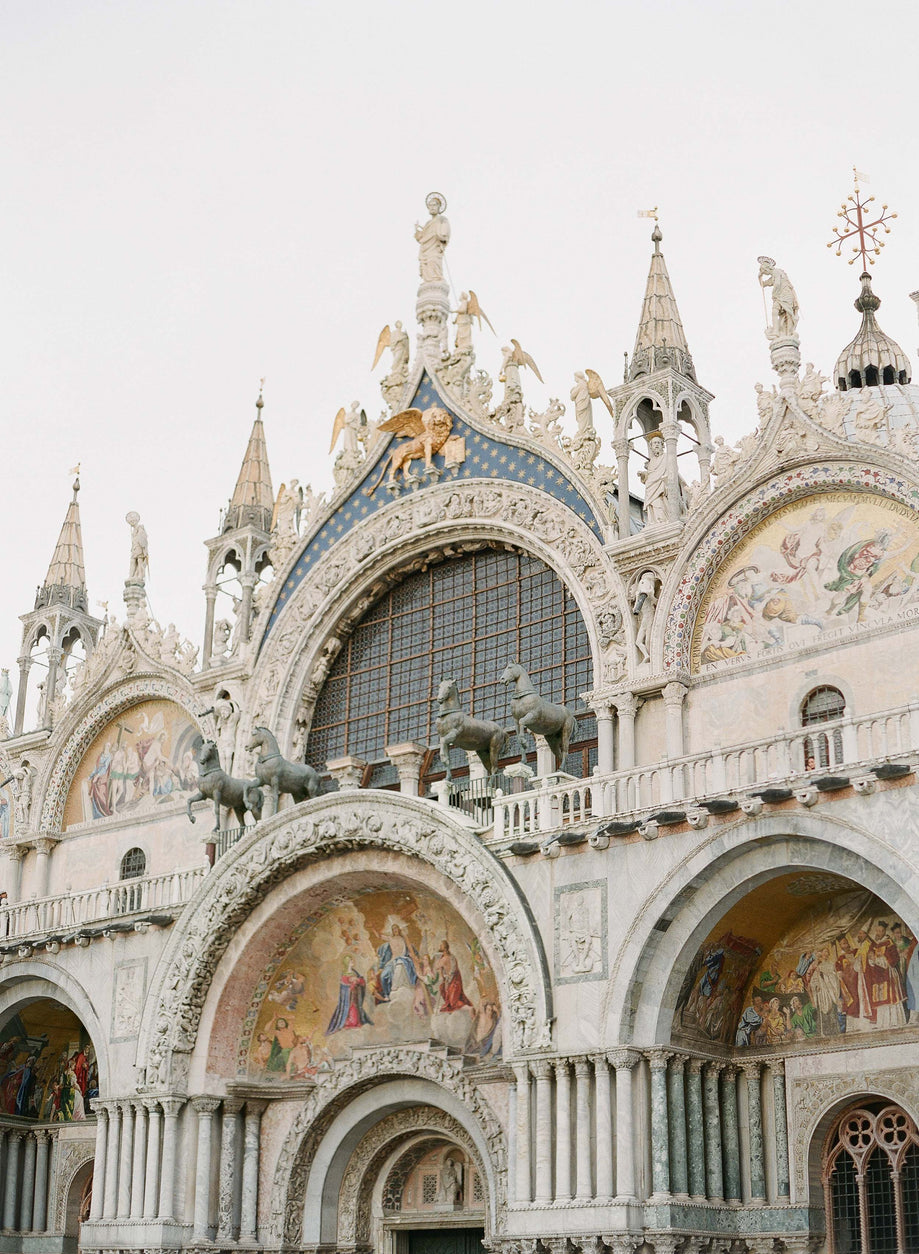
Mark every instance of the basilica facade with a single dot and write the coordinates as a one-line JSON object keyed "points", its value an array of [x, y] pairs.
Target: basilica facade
{"points": [[528, 856]]}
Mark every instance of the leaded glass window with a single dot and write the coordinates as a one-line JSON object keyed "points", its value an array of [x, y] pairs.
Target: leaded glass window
{"points": [[463, 618], [870, 1178]]}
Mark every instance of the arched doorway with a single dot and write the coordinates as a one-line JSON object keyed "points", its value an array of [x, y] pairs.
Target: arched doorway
{"points": [[871, 1181], [79, 1202]]}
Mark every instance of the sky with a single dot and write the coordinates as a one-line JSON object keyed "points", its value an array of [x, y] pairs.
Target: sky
{"points": [[199, 194]]}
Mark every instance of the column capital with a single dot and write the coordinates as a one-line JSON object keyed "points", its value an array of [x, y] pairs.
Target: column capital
{"points": [[152, 1104], [678, 1062], [45, 844], [626, 704], [658, 1059], [233, 1105], [730, 1069], [777, 1066], [696, 1065], [102, 1106], [125, 1104], [205, 1105], [674, 693], [561, 1066], [624, 1059], [715, 1066], [255, 1107], [752, 1069], [541, 1068], [171, 1106], [522, 1072], [42, 1134], [582, 1067], [16, 853], [600, 1062]]}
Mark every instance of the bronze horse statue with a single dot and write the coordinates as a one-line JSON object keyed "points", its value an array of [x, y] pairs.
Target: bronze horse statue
{"points": [[214, 784], [460, 731], [531, 713], [277, 775]]}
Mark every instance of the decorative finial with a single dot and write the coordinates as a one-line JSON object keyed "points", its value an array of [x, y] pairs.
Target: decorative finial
{"points": [[259, 404], [854, 212], [656, 235], [75, 471]]}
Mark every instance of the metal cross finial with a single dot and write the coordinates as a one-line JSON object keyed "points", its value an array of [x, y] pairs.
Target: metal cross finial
{"points": [[854, 211]]}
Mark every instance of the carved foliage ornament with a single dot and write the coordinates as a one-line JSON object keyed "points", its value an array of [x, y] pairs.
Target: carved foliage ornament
{"points": [[346, 1080], [279, 847], [450, 511]]}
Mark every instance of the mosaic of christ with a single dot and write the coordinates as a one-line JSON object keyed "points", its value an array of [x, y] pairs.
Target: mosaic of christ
{"points": [[380, 968], [823, 566]]}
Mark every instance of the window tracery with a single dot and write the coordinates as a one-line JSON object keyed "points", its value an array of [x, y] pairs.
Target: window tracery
{"points": [[871, 1182]]}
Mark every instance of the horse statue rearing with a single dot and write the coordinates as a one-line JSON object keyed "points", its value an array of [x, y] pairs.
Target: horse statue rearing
{"points": [[277, 775], [460, 731], [531, 713], [214, 784]]}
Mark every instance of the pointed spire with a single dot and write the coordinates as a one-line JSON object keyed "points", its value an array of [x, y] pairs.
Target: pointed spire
{"points": [[660, 341], [253, 497], [66, 577]]}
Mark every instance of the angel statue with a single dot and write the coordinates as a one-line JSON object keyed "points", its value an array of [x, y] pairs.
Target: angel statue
{"points": [[511, 408], [428, 432], [140, 558], [784, 299], [285, 522], [353, 428], [467, 310], [432, 239], [394, 338]]}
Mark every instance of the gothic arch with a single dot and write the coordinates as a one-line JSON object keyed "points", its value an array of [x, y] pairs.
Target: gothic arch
{"points": [[329, 825], [351, 575], [708, 544], [78, 733], [665, 935], [339, 1113]]}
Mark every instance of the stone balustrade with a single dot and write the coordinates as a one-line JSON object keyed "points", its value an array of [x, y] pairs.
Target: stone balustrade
{"points": [[853, 744], [68, 912]]}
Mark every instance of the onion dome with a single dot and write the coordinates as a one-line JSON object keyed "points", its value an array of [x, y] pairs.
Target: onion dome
{"points": [[872, 358]]}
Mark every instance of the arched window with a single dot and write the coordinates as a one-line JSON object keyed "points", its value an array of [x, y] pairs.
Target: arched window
{"points": [[129, 896], [133, 863], [871, 1182], [822, 749], [463, 618]]}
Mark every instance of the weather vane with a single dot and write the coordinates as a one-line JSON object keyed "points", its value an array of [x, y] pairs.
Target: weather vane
{"points": [[855, 213], [648, 213]]}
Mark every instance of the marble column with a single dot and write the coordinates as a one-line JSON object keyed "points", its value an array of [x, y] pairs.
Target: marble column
{"points": [[27, 1197], [43, 848], [16, 855], [204, 1108], [95, 1210], [126, 1160], [25, 665], [42, 1156], [138, 1168], [110, 1198], [248, 1226], [226, 1201], [626, 708], [604, 1107], [171, 1107], [543, 1147], [755, 1127], [562, 1130], [210, 598], [11, 1188], [695, 1126], [605, 751], [782, 1189], [660, 1134], [674, 495], [522, 1172], [408, 759], [621, 448], [730, 1134], [676, 1102], [583, 1189], [152, 1179], [714, 1176], [624, 1063]]}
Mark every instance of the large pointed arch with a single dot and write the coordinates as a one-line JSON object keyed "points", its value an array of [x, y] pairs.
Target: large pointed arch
{"points": [[328, 825]]}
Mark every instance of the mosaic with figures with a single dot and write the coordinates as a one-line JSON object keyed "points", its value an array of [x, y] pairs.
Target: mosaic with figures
{"points": [[807, 956], [48, 1067], [818, 569], [376, 968]]}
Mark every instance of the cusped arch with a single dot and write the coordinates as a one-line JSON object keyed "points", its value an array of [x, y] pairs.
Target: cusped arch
{"points": [[335, 824], [816, 1109], [708, 545], [339, 1113], [354, 572], [676, 918], [79, 731], [654, 398], [24, 982]]}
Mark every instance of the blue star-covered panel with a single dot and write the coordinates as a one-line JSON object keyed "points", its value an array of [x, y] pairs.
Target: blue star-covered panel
{"points": [[486, 458]]}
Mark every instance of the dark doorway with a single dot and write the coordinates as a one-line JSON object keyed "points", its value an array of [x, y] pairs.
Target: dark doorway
{"points": [[445, 1241]]}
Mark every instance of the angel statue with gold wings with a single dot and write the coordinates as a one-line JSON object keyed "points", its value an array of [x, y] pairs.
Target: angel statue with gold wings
{"points": [[354, 430], [468, 310], [428, 432]]}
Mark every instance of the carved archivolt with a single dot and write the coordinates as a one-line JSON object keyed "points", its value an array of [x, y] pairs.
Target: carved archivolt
{"points": [[101, 712], [317, 829], [691, 579], [811, 1098], [365, 1164], [72, 1156], [346, 581], [342, 1086]]}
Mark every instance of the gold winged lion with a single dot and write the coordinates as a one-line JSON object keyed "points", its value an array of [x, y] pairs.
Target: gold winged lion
{"points": [[429, 430]]}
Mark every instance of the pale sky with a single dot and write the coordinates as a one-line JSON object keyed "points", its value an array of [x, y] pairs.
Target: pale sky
{"points": [[197, 194]]}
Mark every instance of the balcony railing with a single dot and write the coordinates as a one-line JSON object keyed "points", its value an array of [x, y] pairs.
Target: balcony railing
{"points": [[67, 913], [797, 755]]}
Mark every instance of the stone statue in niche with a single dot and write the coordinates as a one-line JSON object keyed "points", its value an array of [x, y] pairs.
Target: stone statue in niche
{"points": [[644, 607], [784, 299], [450, 1192], [537, 716], [654, 477]]}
